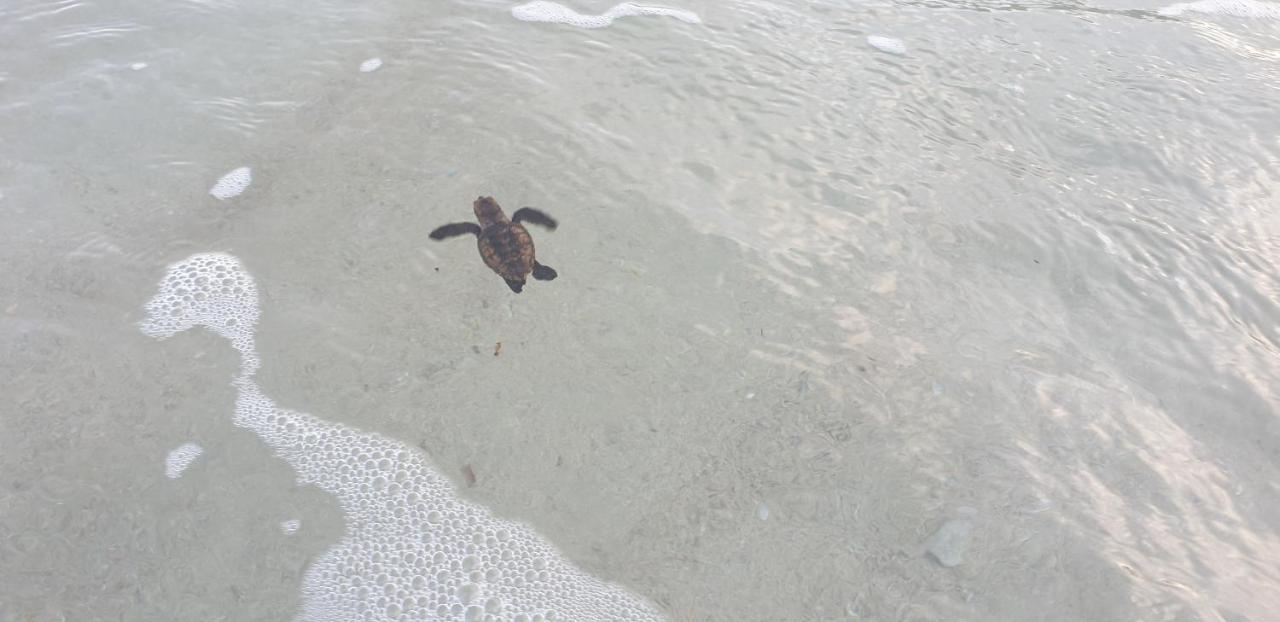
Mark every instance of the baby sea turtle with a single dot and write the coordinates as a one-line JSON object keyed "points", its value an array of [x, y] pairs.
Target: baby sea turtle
{"points": [[505, 245]]}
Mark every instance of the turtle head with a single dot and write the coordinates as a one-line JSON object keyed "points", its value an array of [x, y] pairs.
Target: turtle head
{"points": [[488, 212]]}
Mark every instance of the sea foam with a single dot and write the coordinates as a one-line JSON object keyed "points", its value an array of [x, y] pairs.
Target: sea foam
{"points": [[552, 12], [412, 549]]}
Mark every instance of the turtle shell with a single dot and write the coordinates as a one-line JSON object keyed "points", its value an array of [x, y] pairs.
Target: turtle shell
{"points": [[507, 249]]}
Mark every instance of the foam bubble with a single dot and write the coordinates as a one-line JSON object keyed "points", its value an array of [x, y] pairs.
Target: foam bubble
{"points": [[412, 549], [210, 290], [181, 458], [138, 66], [290, 526], [542, 11], [887, 44], [233, 183], [1251, 9], [371, 65]]}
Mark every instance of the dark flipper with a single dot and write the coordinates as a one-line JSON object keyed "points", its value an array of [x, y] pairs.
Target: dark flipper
{"points": [[528, 214], [455, 229], [543, 273], [515, 286]]}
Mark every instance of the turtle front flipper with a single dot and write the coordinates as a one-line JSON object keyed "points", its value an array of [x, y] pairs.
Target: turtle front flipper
{"points": [[455, 229], [515, 286], [543, 273], [528, 214]]}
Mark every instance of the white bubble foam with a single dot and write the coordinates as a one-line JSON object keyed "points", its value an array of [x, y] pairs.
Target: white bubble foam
{"points": [[290, 526], [1251, 9], [412, 549], [371, 65], [138, 66], [542, 11], [233, 183], [181, 458], [887, 44], [210, 290]]}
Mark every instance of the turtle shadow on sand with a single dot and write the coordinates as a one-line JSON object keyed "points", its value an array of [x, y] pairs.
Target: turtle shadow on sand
{"points": [[505, 245]]}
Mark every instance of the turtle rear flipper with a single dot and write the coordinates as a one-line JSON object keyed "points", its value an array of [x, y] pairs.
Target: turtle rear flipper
{"points": [[528, 214], [455, 229], [515, 286], [543, 273]]}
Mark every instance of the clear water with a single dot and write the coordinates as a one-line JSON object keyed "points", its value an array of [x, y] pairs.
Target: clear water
{"points": [[917, 310]]}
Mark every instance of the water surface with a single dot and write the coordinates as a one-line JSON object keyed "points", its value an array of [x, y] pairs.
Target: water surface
{"points": [[983, 327]]}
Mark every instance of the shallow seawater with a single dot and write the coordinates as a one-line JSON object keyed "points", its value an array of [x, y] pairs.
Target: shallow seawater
{"points": [[865, 311]]}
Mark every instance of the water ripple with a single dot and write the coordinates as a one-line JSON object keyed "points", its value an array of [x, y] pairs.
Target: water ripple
{"points": [[92, 32]]}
